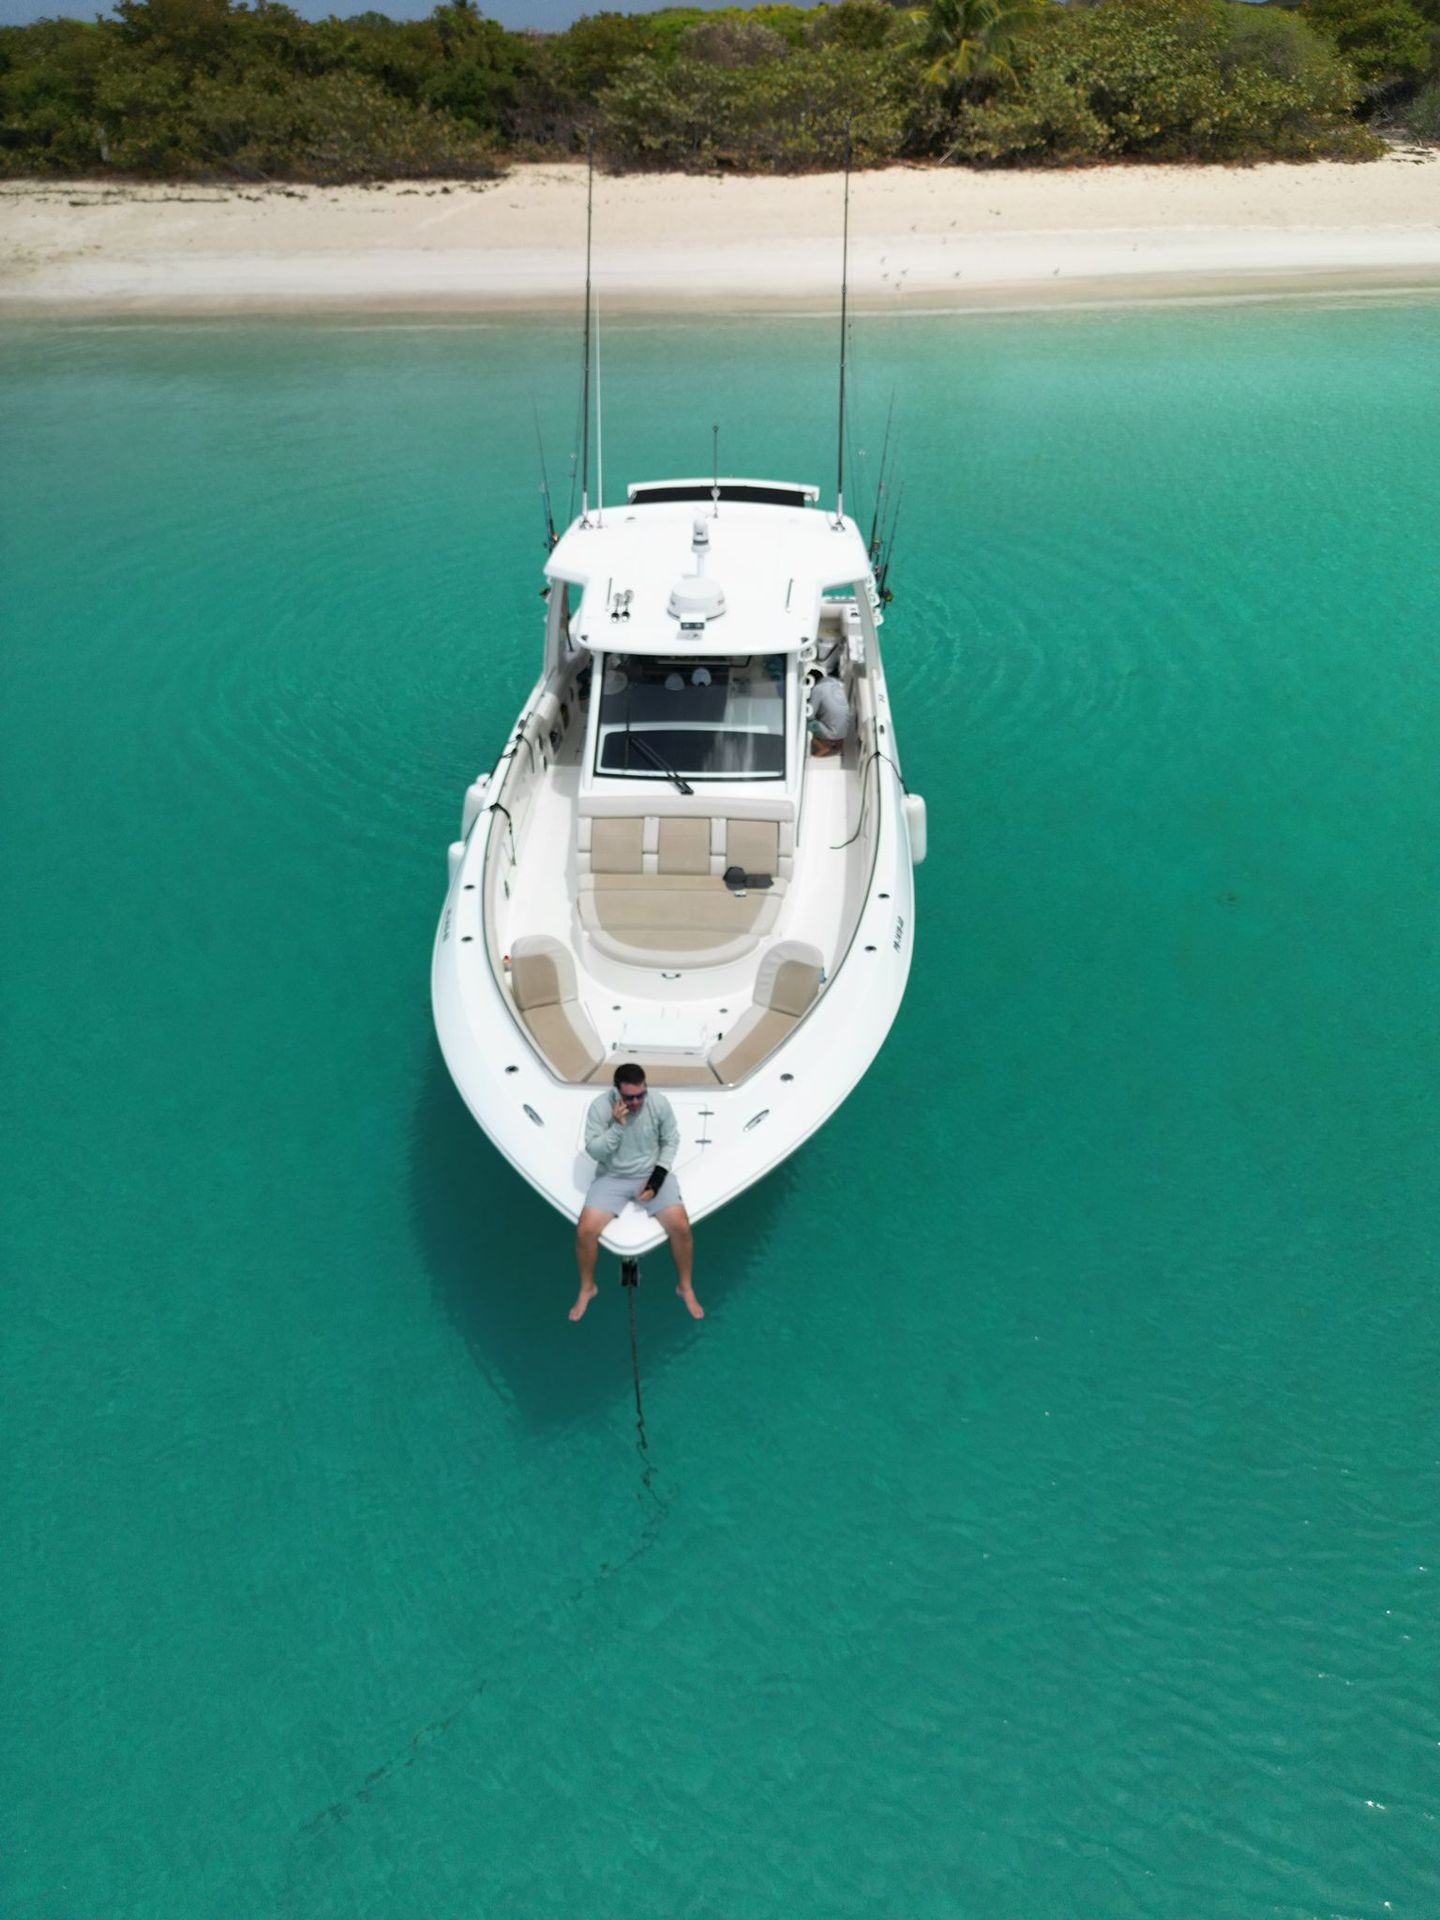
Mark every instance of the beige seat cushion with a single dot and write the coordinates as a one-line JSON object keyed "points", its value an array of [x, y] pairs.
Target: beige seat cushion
{"points": [[617, 846], [753, 1038], [786, 985], [753, 845], [667, 833], [684, 846], [542, 979], [651, 892], [678, 959], [789, 977], [665, 919], [567, 1040], [681, 914], [679, 1073], [542, 972]]}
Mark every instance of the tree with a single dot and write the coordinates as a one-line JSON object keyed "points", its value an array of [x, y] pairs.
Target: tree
{"points": [[1386, 42], [1166, 80], [966, 42], [732, 43], [192, 33], [865, 25]]}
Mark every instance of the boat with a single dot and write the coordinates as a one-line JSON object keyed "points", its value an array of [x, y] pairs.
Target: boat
{"points": [[659, 869]]}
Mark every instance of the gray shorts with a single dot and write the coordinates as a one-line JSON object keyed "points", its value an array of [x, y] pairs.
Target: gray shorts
{"points": [[613, 1192]]}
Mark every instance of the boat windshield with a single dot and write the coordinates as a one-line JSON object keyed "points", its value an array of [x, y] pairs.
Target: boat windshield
{"points": [[699, 719]]}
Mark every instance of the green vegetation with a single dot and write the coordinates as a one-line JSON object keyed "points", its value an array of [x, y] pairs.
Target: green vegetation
{"points": [[1386, 42], [1167, 80], [215, 88], [1424, 115]]}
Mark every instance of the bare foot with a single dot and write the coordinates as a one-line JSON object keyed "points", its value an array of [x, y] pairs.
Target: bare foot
{"points": [[587, 1294], [687, 1294]]}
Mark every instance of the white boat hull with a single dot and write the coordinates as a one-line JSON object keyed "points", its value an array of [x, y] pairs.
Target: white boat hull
{"points": [[529, 870], [730, 1136]]}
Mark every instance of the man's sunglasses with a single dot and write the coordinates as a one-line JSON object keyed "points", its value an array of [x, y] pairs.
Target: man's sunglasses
{"points": [[634, 1099]]}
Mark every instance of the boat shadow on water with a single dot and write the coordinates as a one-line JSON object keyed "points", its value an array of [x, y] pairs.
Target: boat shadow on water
{"points": [[502, 1266]]}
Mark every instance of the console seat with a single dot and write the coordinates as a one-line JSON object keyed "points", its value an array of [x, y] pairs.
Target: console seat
{"points": [[650, 890]]}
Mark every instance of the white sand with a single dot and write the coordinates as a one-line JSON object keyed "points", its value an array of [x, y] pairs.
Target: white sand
{"points": [[920, 237]]}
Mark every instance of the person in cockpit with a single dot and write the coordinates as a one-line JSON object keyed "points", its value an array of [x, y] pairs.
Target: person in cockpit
{"points": [[829, 713]]}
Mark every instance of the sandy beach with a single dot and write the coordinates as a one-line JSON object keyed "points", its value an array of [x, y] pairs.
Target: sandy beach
{"points": [[920, 239]]}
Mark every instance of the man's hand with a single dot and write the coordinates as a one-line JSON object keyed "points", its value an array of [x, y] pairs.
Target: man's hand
{"points": [[648, 1194], [619, 1112]]}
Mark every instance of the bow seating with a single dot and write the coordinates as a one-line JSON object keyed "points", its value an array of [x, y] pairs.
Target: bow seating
{"points": [[542, 979], [786, 987], [650, 883]]}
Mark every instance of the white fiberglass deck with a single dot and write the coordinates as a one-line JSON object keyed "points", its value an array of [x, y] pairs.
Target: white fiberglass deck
{"points": [[635, 1008]]}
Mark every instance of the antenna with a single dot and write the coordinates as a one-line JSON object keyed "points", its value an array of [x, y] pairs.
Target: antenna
{"points": [[544, 480], [844, 320], [599, 428], [585, 383], [715, 468]]}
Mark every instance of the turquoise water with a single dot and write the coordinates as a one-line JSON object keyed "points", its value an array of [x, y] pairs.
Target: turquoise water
{"points": [[1044, 1521]]}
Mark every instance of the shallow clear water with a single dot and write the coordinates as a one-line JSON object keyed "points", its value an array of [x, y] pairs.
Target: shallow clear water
{"points": [[1044, 1521]]}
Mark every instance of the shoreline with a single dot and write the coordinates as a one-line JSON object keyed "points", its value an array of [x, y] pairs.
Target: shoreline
{"points": [[922, 241]]}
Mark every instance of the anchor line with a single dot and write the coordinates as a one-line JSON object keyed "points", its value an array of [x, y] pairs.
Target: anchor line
{"points": [[642, 1443], [497, 806], [876, 753], [630, 1282]]}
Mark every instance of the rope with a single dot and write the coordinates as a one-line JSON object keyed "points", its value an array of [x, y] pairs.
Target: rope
{"points": [[876, 753], [630, 1281], [498, 806], [642, 1442]]}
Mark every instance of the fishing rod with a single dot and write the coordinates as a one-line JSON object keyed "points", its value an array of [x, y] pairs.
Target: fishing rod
{"points": [[884, 575], [880, 482], [887, 520], [585, 378], [599, 428], [889, 511], [859, 461], [844, 332], [550, 534]]}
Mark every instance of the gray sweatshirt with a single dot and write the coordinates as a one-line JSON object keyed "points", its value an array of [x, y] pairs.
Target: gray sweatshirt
{"points": [[830, 710], [649, 1138]]}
